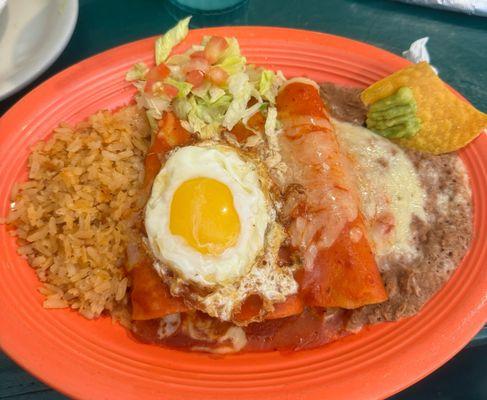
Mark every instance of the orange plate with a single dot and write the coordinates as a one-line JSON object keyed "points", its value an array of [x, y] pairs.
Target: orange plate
{"points": [[96, 359]]}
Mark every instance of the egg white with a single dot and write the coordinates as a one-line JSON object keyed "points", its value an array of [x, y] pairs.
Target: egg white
{"points": [[223, 164]]}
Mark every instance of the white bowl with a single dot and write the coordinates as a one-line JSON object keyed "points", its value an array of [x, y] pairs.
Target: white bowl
{"points": [[33, 33]]}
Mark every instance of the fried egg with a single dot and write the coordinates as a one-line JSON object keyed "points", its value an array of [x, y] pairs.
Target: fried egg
{"points": [[211, 226], [207, 215]]}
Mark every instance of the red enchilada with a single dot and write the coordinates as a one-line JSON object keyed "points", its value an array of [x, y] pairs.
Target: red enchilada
{"points": [[341, 273]]}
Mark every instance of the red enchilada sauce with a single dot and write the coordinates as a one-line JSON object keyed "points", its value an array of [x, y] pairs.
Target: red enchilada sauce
{"points": [[339, 268], [312, 328]]}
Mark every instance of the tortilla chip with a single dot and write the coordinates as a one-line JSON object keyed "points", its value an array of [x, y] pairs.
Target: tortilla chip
{"points": [[447, 122]]}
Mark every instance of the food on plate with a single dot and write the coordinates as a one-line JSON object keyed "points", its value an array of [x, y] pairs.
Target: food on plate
{"points": [[326, 224], [433, 119], [72, 216], [232, 209], [394, 116], [212, 228]]}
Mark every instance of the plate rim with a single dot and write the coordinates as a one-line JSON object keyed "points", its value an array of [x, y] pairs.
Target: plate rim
{"points": [[386, 54]]}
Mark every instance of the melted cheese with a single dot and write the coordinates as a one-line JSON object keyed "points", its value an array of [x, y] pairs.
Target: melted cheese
{"points": [[232, 341], [168, 325], [236, 338], [390, 190]]}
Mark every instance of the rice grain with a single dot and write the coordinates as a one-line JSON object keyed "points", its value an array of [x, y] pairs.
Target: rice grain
{"points": [[74, 217]]}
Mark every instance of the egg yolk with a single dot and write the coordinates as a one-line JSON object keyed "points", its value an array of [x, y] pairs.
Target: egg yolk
{"points": [[203, 213]]}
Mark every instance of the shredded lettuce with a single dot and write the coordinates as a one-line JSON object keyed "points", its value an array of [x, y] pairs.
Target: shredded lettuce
{"points": [[253, 72], [232, 64], [208, 109], [181, 107], [269, 84], [183, 87], [267, 88], [204, 120], [255, 94], [158, 105], [249, 112], [196, 123], [202, 90], [240, 89], [152, 120], [271, 121], [139, 85], [186, 125], [211, 112], [221, 104], [265, 82], [204, 116], [137, 72], [232, 60], [210, 130], [174, 36], [215, 93], [281, 77]]}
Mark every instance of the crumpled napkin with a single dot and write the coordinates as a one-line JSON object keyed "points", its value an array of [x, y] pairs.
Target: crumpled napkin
{"points": [[418, 52], [474, 7]]}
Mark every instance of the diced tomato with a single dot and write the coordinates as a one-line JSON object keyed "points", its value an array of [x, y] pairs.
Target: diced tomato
{"points": [[149, 85], [196, 64], [155, 74], [170, 91], [214, 48], [217, 75], [158, 73], [198, 54], [195, 70], [196, 78]]}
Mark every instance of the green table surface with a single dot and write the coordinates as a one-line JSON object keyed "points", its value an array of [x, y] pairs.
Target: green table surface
{"points": [[458, 48]]}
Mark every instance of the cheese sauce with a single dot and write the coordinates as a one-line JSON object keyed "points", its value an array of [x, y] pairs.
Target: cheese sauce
{"points": [[389, 188]]}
